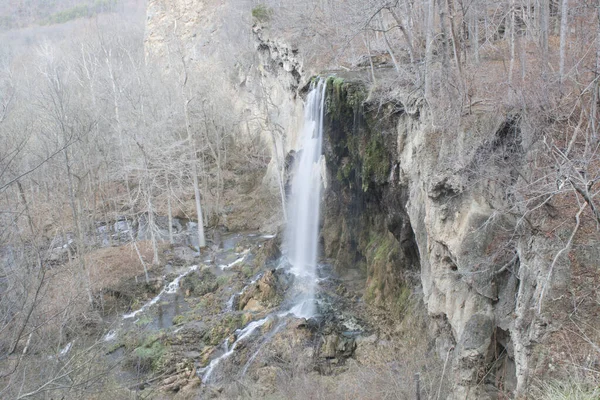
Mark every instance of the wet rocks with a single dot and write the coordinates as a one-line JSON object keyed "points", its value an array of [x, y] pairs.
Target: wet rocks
{"points": [[199, 283], [268, 252], [266, 293]]}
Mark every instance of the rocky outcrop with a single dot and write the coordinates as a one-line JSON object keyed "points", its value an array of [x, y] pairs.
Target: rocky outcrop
{"points": [[408, 200], [266, 293]]}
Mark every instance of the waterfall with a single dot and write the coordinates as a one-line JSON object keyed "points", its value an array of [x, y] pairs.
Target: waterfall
{"points": [[301, 241]]}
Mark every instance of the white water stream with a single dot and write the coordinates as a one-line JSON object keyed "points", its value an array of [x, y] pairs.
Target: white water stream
{"points": [[170, 288], [241, 335]]}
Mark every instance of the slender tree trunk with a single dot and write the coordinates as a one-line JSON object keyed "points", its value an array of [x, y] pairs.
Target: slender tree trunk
{"points": [[152, 228], [194, 154], [169, 210], [368, 43], [544, 13], [512, 39], [78, 228], [594, 111], [563, 38], [139, 254], [26, 205], [455, 43], [387, 44], [194, 161], [475, 34]]}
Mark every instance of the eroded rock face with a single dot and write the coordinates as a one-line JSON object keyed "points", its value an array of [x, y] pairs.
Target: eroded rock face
{"points": [[266, 293], [404, 196]]}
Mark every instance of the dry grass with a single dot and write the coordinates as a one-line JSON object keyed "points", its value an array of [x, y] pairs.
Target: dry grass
{"points": [[110, 265]]}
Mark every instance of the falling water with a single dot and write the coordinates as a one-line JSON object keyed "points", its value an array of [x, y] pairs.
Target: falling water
{"points": [[301, 238], [303, 213]]}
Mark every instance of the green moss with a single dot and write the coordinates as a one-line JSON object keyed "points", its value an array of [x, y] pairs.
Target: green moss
{"points": [[148, 357], [262, 13], [344, 173], [342, 99], [379, 247], [380, 251], [224, 328], [179, 319], [222, 280], [376, 163], [247, 271], [337, 84], [402, 301], [146, 350], [200, 283]]}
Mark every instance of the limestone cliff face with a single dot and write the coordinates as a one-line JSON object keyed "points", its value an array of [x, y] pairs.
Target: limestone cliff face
{"points": [[256, 76], [408, 202]]}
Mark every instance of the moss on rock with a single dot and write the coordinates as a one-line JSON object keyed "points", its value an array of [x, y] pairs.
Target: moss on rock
{"points": [[364, 223]]}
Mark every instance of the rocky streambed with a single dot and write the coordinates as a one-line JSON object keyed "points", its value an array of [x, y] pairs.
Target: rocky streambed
{"points": [[233, 314]]}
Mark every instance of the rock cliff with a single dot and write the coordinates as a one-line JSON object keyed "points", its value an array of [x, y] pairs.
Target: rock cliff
{"points": [[415, 205]]}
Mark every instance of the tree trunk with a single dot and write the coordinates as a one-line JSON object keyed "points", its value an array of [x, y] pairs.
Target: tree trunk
{"points": [[475, 34], [512, 39], [544, 13], [451, 15], [408, 39], [78, 229], [169, 210], [152, 228], [194, 161], [387, 44], [564, 13]]}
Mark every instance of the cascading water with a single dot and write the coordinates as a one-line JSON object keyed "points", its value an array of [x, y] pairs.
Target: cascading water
{"points": [[301, 239]]}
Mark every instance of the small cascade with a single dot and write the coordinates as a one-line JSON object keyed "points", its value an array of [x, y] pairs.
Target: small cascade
{"points": [[111, 335], [65, 350], [301, 241], [229, 305], [241, 336], [237, 261], [298, 311], [170, 288], [264, 341], [231, 301]]}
